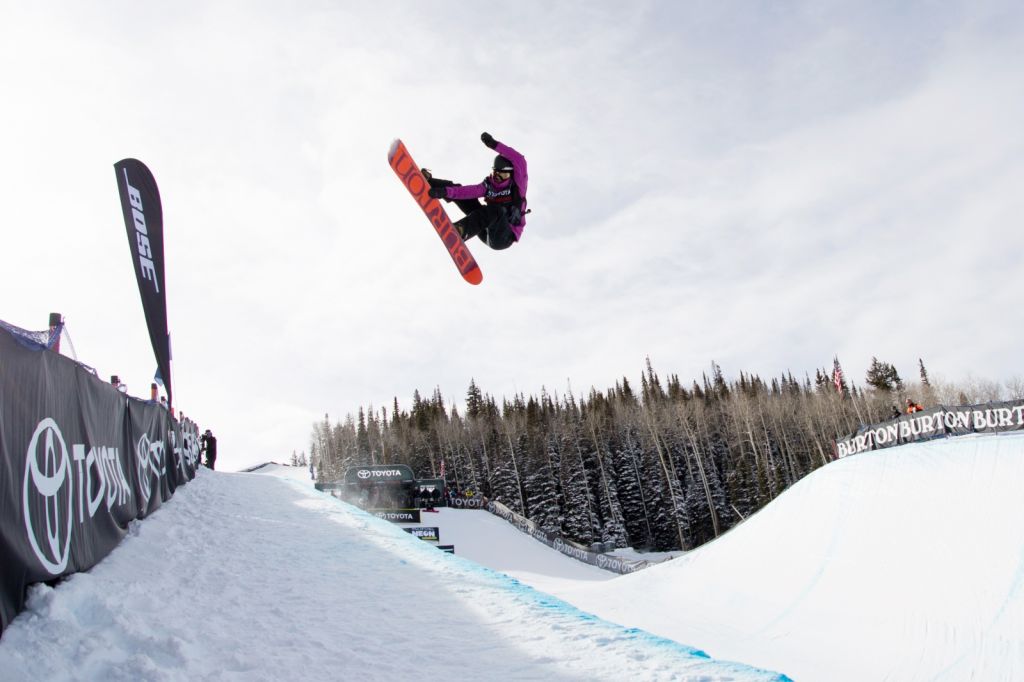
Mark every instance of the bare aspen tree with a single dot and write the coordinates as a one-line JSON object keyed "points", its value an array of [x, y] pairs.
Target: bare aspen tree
{"points": [[698, 457]]}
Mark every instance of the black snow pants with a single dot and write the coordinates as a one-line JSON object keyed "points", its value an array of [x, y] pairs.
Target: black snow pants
{"points": [[487, 222]]}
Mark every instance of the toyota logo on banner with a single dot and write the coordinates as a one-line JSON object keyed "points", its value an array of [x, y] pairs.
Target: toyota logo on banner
{"points": [[364, 474], [149, 464], [49, 488]]}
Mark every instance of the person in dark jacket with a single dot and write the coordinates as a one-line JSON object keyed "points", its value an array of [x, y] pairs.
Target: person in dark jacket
{"points": [[209, 446], [500, 220]]}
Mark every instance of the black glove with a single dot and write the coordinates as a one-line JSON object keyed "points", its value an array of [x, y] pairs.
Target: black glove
{"points": [[438, 192], [488, 140]]}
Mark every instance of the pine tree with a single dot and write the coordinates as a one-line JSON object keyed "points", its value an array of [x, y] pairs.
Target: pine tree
{"points": [[663, 468], [577, 522], [628, 472], [504, 481], [363, 439], [894, 377], [586, 425], [880, 376], [721, 386], [652, 390], [542, 498], [822, 382], [698, 392], [927, 391]]}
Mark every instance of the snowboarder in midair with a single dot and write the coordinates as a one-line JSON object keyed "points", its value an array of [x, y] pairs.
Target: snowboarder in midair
{"points": [[498, 222]]}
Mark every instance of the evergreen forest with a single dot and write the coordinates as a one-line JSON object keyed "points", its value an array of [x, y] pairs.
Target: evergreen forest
{"points": [[657, 466]]}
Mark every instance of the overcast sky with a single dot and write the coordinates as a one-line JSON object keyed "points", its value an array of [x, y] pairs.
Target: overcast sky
{"points": [[763, 185]]}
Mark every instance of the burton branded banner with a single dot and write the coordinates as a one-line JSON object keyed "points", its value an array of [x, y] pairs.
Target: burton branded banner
{"points": [[144, 221], [70, 478], [938, 422]]}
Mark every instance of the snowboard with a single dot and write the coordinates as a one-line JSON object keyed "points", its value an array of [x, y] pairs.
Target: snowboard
{"points": [[409, 173]]}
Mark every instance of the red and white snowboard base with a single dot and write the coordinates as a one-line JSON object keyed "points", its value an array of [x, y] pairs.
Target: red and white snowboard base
{"points": [[409, 173]]}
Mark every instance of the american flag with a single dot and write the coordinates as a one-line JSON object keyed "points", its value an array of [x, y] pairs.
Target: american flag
{"points": [[837, 376], [442, 468]]}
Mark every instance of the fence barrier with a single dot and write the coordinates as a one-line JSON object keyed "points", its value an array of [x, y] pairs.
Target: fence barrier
{"points": [[79, 460], [937, 422]]}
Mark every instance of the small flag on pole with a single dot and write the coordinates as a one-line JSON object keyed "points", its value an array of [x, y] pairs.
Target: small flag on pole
{"points": [[837, 376]]}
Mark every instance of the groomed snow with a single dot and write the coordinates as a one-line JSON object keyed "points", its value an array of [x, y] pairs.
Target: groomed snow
{"points": [[904, 564], [257, 577]]}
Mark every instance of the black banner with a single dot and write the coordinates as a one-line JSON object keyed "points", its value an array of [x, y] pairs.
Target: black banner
{"points": [[184, 441], [468, 503], [429, 533], [397, 515], [148, 445], [144, 221], [388, 473], [78, 462], [937, 422]]}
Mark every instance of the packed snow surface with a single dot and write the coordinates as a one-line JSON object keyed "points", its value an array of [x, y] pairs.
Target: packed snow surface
{"points": [[903, 564], [256, 577], [900, 564]]}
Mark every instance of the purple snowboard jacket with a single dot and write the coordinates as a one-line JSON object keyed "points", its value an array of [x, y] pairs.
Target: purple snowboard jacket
{"points": [[519, 177]]}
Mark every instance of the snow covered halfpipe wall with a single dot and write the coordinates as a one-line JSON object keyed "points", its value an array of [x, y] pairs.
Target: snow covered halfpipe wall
{"points": [[566, 547], [79, 460]]}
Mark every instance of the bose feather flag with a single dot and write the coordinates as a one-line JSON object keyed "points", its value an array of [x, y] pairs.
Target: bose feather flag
{"points": [[143, 219]]}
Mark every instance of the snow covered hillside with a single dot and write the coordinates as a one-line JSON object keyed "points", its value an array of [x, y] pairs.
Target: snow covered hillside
{"points": [[255, 577], [903, 564]]}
